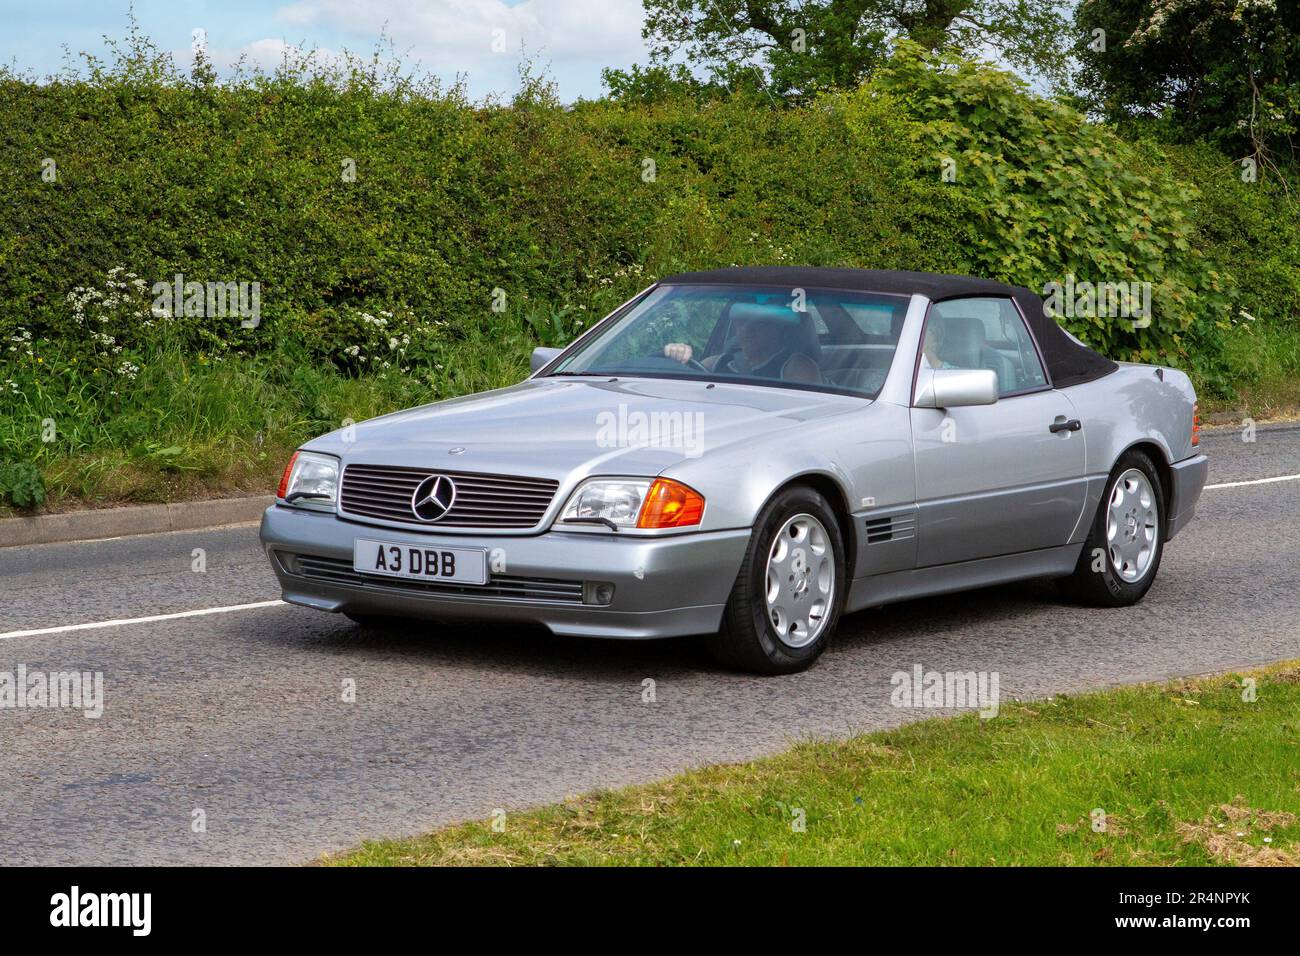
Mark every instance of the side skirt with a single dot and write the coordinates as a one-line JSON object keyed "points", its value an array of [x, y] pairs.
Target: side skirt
{"points": [[962, 576]]}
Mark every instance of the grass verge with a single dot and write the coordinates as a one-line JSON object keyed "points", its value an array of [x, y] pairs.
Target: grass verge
{"points": [[192, 426], [1264, 365], [1188, 772]]}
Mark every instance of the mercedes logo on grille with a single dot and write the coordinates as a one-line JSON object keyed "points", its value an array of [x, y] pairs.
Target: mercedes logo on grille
{"points": [[433, 498]]}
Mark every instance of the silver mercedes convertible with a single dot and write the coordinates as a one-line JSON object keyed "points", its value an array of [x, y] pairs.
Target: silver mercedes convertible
{"points": [[747, 454]]}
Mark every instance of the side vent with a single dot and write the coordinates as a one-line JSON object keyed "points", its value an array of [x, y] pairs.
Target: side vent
{"points": [[896, 528]]}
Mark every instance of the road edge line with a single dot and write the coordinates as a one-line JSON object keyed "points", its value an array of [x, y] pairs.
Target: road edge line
{"points": [[149, 619]]}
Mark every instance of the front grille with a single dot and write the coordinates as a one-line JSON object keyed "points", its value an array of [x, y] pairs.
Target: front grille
{"points": [[334, 571], [482, 501]]}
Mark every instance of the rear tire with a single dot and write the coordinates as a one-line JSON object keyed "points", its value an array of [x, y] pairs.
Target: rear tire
{"points": [[1122, 554], [786, 602]]}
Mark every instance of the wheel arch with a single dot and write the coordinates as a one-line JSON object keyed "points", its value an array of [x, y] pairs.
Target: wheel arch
{"points": [[1164, 472], [829, 488]]}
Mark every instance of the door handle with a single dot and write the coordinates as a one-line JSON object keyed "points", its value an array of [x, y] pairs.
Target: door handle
{"points": [[1073, 425]]}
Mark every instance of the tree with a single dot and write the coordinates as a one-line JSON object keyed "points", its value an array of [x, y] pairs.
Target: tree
{"points": [[804, 46], [1227, 71], [658, 84]]}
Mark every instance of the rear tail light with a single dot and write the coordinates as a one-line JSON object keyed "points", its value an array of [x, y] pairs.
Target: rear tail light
{"points": [[1196, 424], [284, 479]]}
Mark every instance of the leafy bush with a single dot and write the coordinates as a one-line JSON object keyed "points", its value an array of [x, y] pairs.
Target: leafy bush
{"points": [[1052, 195], [469, 232], [21, 484], [1252, 228]]}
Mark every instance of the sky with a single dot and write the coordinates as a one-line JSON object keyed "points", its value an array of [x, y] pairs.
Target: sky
{"points": [[569, 40]]}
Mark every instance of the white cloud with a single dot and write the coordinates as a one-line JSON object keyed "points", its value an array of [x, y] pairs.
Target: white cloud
{"points": [[575, 37], [268, 54]]}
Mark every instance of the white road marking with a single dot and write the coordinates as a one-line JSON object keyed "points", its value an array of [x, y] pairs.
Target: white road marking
{"points": [[260, 604], [138, 620], [1257, 481]]}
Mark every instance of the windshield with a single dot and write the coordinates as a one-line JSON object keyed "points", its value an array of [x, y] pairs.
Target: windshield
{"points": [[821, 339]]}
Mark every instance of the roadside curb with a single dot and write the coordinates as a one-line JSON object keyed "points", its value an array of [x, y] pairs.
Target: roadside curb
{"points": [[1237, 417], [139, 519], [1277, 425]]}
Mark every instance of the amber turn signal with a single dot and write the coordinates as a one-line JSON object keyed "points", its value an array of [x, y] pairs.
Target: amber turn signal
{"points": [[284, 479], [670, 504]]}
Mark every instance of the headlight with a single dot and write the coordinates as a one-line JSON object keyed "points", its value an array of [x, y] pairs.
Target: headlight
{"points": [[310, 480], [634, 503]]}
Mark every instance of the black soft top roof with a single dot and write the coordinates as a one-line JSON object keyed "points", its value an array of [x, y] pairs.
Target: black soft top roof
{"points": [[1069, 362], [929, 284]]}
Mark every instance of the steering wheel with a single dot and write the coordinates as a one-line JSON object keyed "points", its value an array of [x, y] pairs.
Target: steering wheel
{"points": [[662, 361]]}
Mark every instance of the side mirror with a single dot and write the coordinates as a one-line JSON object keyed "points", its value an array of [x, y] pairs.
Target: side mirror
{"points": [[542, 357], [955, 387]]}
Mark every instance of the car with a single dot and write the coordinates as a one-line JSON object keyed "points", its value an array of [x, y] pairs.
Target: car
{"points": [[746, 455]]}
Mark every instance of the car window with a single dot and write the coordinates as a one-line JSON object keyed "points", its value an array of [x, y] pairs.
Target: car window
{"points": [[872, 319], [823, 330], [984, 332], [803, 338]]}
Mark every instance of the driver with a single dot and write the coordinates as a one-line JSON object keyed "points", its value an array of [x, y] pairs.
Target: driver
{"points": [[767, 348], [934, 337]]}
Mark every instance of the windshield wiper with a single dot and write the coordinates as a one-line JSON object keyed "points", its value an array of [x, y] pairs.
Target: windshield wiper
{"points": [[591, 519], [307, 494]]}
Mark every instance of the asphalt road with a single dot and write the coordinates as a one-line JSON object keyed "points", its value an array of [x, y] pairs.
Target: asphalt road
{"points": [[240, 714]]}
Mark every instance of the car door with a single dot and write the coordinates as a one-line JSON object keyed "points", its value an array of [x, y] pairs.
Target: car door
{"points": [[993, 479]]}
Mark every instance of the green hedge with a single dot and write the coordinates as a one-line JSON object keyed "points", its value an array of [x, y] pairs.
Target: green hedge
{"points": [[159, 173]]}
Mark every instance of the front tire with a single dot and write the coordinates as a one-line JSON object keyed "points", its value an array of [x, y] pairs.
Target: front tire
{"points": [[787, 599], [1122, 554]]}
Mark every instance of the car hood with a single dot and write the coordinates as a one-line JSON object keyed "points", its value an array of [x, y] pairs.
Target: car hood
{"points": [[570, 427]]}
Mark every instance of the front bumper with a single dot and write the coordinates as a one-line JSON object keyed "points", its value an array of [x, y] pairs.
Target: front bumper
{"points": [[1186, 482], [663, 586]]}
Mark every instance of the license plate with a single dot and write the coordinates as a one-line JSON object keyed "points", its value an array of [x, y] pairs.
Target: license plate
{"points": [[420, 563]]}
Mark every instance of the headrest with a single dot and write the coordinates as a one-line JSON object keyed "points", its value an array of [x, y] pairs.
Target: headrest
{"points": [[963, 341], [963, 331]]}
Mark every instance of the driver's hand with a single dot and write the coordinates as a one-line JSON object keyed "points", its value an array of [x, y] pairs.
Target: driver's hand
{"points": [[678, 352]]}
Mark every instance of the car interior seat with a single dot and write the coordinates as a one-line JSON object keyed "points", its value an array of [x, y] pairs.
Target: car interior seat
{"points": [[965, 346], [806, 339]]}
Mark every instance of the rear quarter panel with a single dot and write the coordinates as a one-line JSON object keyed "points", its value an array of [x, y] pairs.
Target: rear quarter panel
{"points": [[1132, 405]]}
